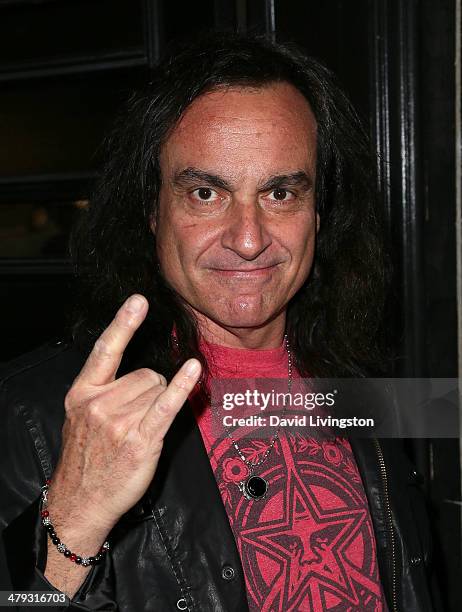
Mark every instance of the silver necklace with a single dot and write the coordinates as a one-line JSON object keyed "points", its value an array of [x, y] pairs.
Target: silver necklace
{"points": [[255, 487]]}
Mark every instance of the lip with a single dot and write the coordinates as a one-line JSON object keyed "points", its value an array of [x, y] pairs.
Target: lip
{"points": [[245, 273]]}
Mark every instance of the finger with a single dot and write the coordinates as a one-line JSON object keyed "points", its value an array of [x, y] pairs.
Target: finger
{"points": [[160, 416], [131, 386], [104, 360], [142, 403]]}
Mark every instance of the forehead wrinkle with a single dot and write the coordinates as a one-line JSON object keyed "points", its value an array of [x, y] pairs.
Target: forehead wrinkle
{"points": [[219, 121], [253, 137], [238, 125]]}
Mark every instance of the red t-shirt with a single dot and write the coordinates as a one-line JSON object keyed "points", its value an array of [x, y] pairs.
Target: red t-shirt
{"points": [[309, 545]]}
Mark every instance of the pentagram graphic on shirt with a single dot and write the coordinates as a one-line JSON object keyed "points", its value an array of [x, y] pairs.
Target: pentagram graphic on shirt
{"points": [[310, 545]]}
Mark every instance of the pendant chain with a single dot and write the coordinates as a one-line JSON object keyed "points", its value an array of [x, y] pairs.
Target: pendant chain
{"points": [[274, 439]]}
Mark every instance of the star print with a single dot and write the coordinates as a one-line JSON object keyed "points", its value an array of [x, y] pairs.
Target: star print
{"points": [[309, 546]]}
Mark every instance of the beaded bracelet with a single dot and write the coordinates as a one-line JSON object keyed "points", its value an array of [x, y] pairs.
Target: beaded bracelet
{"points": [[62, 548]]}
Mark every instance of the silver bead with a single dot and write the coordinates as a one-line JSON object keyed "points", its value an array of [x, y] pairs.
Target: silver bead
{"points": [[85, 561], [61, 547], [46, 520], [106, 546]]}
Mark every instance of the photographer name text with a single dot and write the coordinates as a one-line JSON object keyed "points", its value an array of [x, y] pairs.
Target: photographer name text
{"points": [[296, 421]]}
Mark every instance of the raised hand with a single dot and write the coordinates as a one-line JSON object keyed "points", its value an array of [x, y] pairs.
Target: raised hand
{"points": [[112, 439]]}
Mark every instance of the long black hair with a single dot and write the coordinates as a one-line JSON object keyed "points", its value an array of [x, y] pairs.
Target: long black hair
{"points": [[334, 320]]}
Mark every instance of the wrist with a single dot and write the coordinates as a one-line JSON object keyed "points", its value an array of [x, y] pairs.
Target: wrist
{"points": [[78, 520], [83, 545]]}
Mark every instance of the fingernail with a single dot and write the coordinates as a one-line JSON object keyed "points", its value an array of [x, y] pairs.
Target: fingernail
{"points": [[192, 367], [135, 304]]}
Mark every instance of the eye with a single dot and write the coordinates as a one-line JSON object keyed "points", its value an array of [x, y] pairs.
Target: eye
{"points": [[205, 194], [281, 195]]}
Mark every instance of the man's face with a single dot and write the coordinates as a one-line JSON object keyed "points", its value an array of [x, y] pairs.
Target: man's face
{"points": [[236, 221]]}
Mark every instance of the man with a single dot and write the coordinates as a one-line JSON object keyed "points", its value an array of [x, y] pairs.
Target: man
{"points": [[236, 230]]}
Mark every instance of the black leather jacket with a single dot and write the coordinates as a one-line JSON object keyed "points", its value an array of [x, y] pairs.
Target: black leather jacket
{"points": [[175, 549]]}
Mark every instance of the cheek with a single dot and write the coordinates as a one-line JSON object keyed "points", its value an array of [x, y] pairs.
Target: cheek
{"points": [[168, 229], [299, 238], [172, 252], [180, 242]]}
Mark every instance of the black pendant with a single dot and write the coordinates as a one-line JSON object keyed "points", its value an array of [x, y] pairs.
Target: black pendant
{"points": [[255, 487]]}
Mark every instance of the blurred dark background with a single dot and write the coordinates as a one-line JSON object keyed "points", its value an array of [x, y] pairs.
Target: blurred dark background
{"points": [[67, 66]]}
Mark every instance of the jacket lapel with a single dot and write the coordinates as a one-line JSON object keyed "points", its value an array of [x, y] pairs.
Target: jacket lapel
{"points": [[192, 519], [367, 460]]}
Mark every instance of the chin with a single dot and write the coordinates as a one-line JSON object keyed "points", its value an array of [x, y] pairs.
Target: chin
{"points": [[242, 318]]}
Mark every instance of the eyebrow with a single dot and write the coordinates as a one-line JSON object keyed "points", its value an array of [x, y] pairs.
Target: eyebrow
{"points": [[295, 179], [191, 175]]}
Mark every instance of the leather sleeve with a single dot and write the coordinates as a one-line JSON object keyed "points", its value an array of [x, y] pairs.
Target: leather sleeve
{"points": [[25, 543], [415, 533], [25, 462]]}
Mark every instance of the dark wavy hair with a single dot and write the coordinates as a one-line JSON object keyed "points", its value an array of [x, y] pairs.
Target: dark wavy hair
{"points": [[334, 321]]}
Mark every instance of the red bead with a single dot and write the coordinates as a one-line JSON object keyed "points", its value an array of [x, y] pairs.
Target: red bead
{"points": [[73, 557], [45, 513], [48, 481]]}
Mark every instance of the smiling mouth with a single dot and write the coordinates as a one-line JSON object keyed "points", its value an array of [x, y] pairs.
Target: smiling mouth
{"points": [[245, 272]]}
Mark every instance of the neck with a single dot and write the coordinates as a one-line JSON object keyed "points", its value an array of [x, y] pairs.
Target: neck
{"points": [[267, 336]]}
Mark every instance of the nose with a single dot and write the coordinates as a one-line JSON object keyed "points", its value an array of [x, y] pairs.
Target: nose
{"points": [[246, 233]]}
